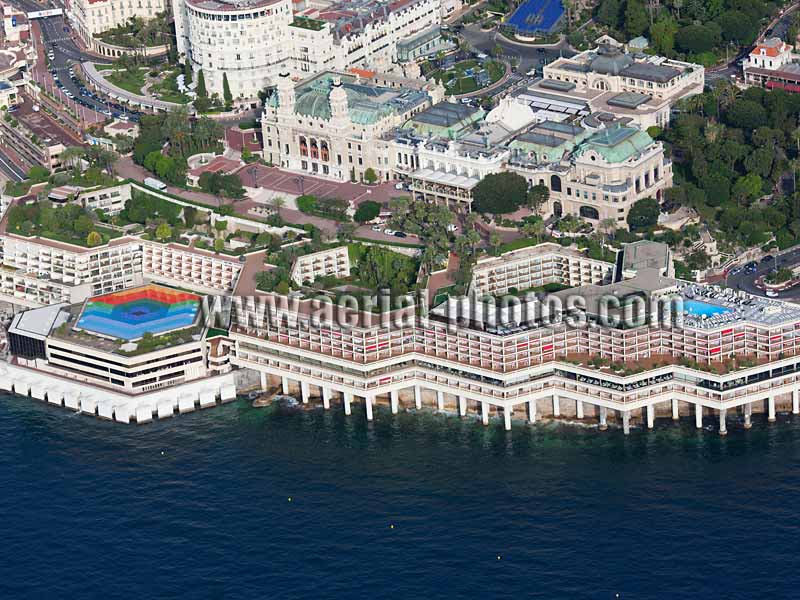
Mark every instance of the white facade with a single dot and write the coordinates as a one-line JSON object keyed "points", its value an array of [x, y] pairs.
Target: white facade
{"points": [[96, 16], [252, 42], [247, 41], [334, 262]]}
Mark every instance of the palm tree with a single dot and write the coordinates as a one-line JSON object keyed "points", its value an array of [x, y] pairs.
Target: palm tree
{"points": [[72, 156], [606, 226], [534, 229], [278, 202], [495, 241]]}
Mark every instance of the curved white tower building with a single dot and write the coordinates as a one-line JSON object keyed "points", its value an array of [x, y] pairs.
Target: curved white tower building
{"points": [[245, 39]]}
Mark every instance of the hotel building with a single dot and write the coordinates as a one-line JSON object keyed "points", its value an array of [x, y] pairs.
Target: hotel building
{"points": [[92, 17], [334, 262], [724, 351], [252, 42]]}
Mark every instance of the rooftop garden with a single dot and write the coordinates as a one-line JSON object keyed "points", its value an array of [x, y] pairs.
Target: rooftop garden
{"points": [[137, 32], [69, 223], [308, 23]]}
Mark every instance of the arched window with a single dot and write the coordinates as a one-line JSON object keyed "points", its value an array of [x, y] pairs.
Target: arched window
{"points": [[314, 149], [555, 183], [303, 147], [589, 212], [324, 153], [557, 210]]}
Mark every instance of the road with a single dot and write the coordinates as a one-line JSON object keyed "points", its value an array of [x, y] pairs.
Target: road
{"points": [[528, 56], [743, 281]]}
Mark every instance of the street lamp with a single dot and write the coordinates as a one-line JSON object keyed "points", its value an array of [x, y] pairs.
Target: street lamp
{"points": [[252, 172]]}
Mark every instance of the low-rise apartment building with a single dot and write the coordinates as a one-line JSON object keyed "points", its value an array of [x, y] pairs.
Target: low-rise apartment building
{"points": [[334, 262]]}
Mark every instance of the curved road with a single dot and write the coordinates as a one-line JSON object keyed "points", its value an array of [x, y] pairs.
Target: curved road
{"points": [[743, 281]]}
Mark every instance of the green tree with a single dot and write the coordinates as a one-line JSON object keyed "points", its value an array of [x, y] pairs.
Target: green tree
{"points": [[608, 13], [93, 239], [643, 214], [187, 72], [83, 224], [219, 245], [367, 211], [163, 231], [635, 18], [38, 174], [538, 196], [226, 91], [370, 176], [662, 36], [500, 193]]}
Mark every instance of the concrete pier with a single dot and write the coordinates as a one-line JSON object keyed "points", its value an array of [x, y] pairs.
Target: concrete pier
{"points": [[507, 418], [579, 409], [439, 400], [285, 386], [771, 409], [368, 403], [326, 398], [651, 416], [532, 411], [795, 403], [485, 413], [675, 415], [698, 416], [348, 398], [603, 418], [305, 392], [417, 397], [722, 425], [748, 410], [263, 381], [556, 406], [626, 422], [394, 401], [462, 406]]}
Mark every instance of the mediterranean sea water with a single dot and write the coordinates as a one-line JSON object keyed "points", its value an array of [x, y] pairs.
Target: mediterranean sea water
{"points": [[238, 502]]}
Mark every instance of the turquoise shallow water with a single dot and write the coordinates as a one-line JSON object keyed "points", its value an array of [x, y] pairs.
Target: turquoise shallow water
{"points": [[198, 507]]}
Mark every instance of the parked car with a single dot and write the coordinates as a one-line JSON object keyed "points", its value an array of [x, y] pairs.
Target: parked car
{"points": [[400, 234], [376, 228], [768, 258], [388, 231]]}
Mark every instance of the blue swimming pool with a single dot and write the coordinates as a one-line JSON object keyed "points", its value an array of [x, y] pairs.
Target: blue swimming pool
{"points": [[695, 307]]}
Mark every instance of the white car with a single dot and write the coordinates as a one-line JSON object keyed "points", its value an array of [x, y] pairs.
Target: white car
{"points": [[771, 294], [388, 231], [398, 186], [376, 228]]}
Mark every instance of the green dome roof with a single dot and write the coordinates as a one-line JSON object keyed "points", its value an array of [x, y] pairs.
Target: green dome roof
{"points": [[314, 103]]}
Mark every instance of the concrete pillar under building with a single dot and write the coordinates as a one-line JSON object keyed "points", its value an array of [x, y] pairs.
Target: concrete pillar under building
{"points": [[285, 386], [507, 418], [626, 422], [603, 418], [326, 398], [462, 406], [795, 402], [579, 409], [532, 411], [556, 406], [394, 401], [348, 398], [485, 412], [723, 430], [263, 381], [675, 413], [439, 400], [698, 416], [748, 410], [651, 416], [368, 403], [417, 397], [771, 409], [305, 392]]}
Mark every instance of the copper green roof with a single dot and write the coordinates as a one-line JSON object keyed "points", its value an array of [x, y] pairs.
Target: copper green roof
{"points": [[616, 144]]}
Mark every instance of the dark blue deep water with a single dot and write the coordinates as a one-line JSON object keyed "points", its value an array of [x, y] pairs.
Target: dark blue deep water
{"points": [[415, 506]]}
